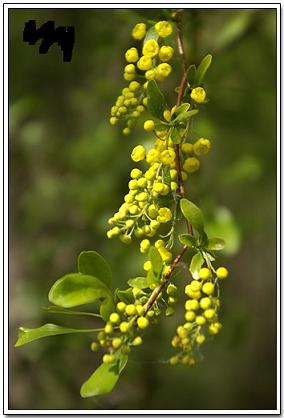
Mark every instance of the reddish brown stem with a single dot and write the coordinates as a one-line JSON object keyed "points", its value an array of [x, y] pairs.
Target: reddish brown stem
{"points": [[181, 189], [166, 279], [182, 86]]}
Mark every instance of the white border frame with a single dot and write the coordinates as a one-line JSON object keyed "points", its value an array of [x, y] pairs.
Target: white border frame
{"points": [[4, 207]]}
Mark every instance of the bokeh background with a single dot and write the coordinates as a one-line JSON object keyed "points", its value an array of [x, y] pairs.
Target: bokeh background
{"points": [[69, 171]]}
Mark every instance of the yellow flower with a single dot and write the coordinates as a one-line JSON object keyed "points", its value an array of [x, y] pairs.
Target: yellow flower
{"points": [[134, 85], [153, 156], [191, 165], [147, 265], [145, 63], [139, 31], [222, 273], [166, 53], [144, 246], [167, 115], [129, 69], [204, 273], [165, 254], [163, 28], [151, 48], [135, 173], [208, 288], [187, 148], [202, 146], [163, 70], [131, 55], [167, 157], [149, 125], [198, 95], [200, 339], [142, 322], [165, 214], [129, 77], [138, 153], [151, 74]]}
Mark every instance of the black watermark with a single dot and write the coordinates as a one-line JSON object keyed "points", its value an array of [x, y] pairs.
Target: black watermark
{"points": [[63, 35]]}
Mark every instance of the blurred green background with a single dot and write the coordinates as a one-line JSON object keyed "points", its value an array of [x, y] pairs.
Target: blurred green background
{"points": [[69, 171]]}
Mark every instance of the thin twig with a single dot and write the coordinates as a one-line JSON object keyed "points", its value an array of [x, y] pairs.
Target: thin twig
{"points": [[181, 189], [166, 279], [182, 86]]}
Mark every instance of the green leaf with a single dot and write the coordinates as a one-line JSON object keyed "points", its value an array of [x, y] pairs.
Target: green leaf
{"points": [[202, 69], [175, 136], [152, 278], [156, 261], [101, 382], [93, 264], [196, 264], [233, 28], [166, 175], [27, 335], [223, 224], [59, 310], [191, 72], [125, 296], [182, 108], [156, 101], [138, 282], [77, 289], [193, 214], [215, 244], [188, 239], [203, 239], [107, 307], [210, 257], [151, 34], [185, 115], [105, 377]]}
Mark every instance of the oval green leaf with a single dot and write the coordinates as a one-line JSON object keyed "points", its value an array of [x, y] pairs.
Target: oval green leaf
{"points": [[182, 108], [186, 115], [125, 296], [93, 264], [27, 335], [175, 136], [77, 289], [191, 74], [156, 101], [156, 261], [107, 307], [152, 278], [138, 282], [188, 239], [202, 69], [196, 264], [216, 244], [105, 377], [193, 214], [101, 382], [151, 34]]}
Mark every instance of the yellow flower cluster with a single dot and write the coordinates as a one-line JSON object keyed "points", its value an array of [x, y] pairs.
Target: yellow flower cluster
{"points": [[123, 325], [201, 147], [141, 213], [151, 63], [147, 61], [201, 314], [129, 105]]}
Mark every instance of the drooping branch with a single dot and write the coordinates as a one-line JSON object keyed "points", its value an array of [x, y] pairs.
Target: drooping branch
{"points": [[181, 187]]}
